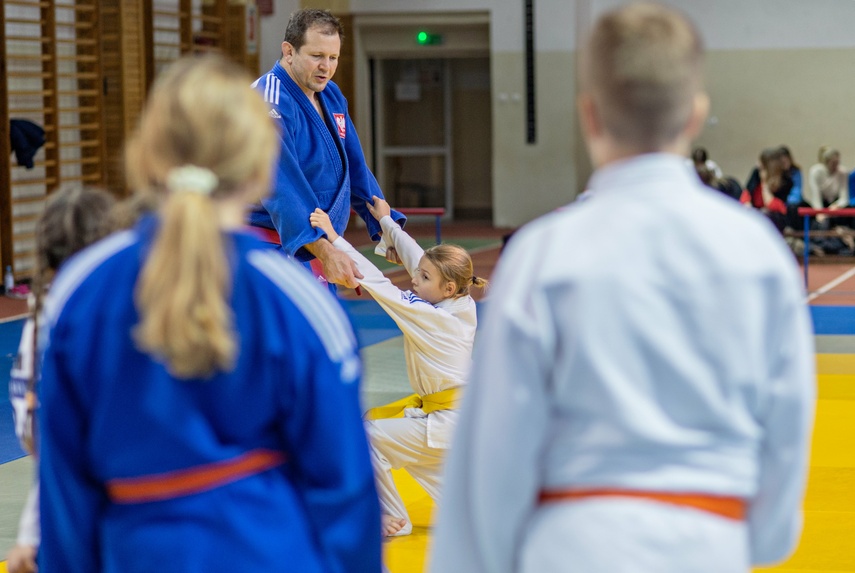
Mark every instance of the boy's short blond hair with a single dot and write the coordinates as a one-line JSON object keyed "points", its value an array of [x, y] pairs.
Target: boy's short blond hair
{"points": [[643, 67]]}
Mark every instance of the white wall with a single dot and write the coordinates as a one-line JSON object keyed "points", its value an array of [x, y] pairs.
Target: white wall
{"points": [[767, 24], [272, 32], [545, 170]]}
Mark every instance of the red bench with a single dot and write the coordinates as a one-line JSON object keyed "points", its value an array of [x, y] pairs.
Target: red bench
{"points": [[437, 212]]}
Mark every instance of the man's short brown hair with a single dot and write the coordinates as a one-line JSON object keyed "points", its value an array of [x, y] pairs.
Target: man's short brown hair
{"points": [[302, 20], [643, 67]]}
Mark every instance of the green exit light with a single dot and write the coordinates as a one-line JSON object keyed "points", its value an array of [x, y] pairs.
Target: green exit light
{"points": [[427, 39]]}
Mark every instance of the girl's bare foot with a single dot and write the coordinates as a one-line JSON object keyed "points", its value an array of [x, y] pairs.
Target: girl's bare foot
{"points": [[391, 526], [22, 559]]}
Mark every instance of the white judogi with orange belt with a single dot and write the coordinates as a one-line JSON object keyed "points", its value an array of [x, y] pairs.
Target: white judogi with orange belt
{"points": [[651, 340], [438, 349]]}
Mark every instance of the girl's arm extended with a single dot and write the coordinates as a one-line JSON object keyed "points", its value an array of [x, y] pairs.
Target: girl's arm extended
{"points": [[407, 248], [417, 319], [413, 316]]}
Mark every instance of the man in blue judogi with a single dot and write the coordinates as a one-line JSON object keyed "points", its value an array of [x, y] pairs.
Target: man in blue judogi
{"points": [[321, 163]]}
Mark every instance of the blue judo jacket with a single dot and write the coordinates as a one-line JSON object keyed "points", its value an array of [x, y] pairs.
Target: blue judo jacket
{"points": [[321, 164], [113, 416]]}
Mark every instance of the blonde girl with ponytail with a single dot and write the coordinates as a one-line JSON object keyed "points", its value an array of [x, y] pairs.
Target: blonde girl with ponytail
{"points": [[201, 390], [180, 153]]}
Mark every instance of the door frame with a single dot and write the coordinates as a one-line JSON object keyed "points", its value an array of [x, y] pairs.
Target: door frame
{"points": [[392, 36], [385, 152]]}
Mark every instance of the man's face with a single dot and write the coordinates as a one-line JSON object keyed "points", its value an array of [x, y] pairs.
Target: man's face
{"points": [[314, 64]]}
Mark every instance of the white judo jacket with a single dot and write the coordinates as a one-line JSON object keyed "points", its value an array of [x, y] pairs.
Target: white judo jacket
{"points": [[654, 337], [438, 338]]}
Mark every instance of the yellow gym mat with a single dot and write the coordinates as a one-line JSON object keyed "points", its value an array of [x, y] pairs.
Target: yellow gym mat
{"points": [[828, 540]]}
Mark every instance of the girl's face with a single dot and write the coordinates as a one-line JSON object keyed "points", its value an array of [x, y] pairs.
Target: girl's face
{"points": [[786, 162], [428, 283]]}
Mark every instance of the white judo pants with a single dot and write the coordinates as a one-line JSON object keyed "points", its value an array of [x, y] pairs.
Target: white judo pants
{"points": [[609, 535], [402, 443]]}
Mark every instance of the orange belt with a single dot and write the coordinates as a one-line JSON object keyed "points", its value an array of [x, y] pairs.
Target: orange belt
{"points": [[170, 485], [724, 506]]}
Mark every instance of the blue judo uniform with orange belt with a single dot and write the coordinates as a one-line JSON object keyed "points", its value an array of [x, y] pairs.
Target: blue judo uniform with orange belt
{"points": [[264, 468], [321, 164]]}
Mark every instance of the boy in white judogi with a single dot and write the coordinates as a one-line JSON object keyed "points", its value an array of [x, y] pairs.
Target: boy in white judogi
{"points": [[642, 404]]}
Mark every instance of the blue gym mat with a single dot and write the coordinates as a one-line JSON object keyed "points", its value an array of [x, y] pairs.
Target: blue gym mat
{"points": [[839, 320], [370, 322], [10, 336]]}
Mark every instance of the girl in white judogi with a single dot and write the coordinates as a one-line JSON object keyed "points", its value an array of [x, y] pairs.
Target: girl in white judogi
{"points": [[438, 320]]}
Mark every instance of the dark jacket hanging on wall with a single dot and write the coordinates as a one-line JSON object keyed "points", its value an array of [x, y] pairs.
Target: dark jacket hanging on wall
{"points": [[26, 138]]}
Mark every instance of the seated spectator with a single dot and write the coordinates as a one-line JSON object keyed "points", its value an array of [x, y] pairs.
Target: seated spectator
{"points": [[852, 188], [795, 172], [769, 186], [701, 157], [727, 185], [794, 199], [828, 186]]}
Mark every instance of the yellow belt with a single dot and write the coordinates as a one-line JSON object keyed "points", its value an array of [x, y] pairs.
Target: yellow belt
{"points": [[444, 400]]}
